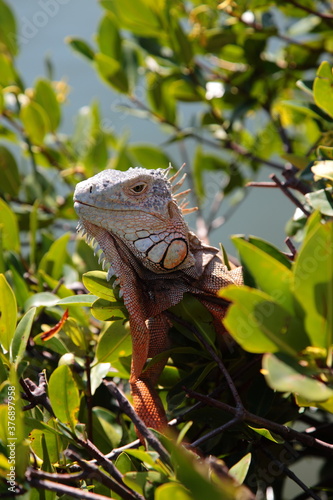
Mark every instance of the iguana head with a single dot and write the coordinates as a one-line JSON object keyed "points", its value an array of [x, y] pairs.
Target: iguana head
{"points": [[139, 208]]}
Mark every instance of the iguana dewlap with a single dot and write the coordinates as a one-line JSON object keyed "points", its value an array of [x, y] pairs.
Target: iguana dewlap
{"points": [[136, 220]]}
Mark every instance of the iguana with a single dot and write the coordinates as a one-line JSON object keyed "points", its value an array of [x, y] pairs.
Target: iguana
{"points": [[137, 220]]}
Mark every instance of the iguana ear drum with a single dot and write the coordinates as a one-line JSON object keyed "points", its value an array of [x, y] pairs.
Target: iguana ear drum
{"points": [[176, 254], [168, 255]]}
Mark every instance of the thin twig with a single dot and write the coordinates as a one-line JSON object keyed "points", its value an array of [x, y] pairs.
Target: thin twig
{"points": [[214, 432], [262, 184], [283, 430], [101, 459], [290, 474], [117, 451], [289, 195], [292, 41], [91, 470], [214, 356], [64, 478], [291, 246], [128, 409], [325, 17], [64, 489]]}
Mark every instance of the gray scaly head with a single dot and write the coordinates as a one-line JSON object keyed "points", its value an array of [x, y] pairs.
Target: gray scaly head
{"points": [[139, 208]]}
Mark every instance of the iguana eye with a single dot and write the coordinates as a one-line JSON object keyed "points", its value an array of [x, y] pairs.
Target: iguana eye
{"points": [[138, 188]]}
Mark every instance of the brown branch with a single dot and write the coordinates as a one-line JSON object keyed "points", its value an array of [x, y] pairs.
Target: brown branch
{"points": [[214, 432], [65, 478], [259, 27], [128, 409], [117, 451], [261, 184], [284, 431], [289, 195], [63, 489], [290, 473], [101, 459], [291, 247], [91, 470], [325, 17], [215, 357]]}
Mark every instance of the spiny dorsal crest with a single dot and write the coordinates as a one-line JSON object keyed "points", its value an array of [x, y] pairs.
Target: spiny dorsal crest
{"points": [[180, 197]]}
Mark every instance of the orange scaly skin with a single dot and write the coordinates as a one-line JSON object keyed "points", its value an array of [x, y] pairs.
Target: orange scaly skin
{"points": [[137, 222]]}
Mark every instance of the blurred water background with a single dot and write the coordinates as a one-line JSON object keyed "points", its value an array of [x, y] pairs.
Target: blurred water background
{"points": [[43, 26]]}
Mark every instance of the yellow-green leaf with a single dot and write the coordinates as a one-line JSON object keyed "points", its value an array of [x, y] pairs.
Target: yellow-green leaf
{"points": [[9, 228], [8, 313], [64, 395]]}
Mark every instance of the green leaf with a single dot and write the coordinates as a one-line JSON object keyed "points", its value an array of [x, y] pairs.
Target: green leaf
{"points": [[239, 470], [7, 70], [323, 169], [8, 313], [139, 17], [313, 282], [326, 152], [323, 88], [300, 162], [308, 109], [9, 173], [46, 446], [194, 476], [149, 156], [81, 47], [35, 121], [46, 97], [183, 90], [138, 480], [267, 434], [270, 250], [54, 260], [64, 395], [180, 43], [321, 200], [173, 491], [54, 344], [111, 72], [146, 457], [192, 311], [21, 336], [108, 37], [114, 343], [9, 228], [8, 29], [107, 432], [105, 310], [46, 299], [270, 275], [286, 375], [259, 324], [80, 300], [96, 283], [160, 97], [21, 289]]}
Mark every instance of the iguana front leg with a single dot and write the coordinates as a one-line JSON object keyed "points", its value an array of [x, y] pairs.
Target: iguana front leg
{"points": [[147, 342]]}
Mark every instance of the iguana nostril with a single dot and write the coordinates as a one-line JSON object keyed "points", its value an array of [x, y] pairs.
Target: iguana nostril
{"points": [[90, 189]]}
